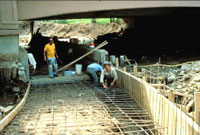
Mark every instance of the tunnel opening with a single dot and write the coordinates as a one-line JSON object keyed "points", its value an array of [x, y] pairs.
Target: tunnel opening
{"points": [[71, 37], [147, 39], [170, 37]]}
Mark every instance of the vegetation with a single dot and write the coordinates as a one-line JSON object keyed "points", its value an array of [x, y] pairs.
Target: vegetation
{"points": [[89, 20]]}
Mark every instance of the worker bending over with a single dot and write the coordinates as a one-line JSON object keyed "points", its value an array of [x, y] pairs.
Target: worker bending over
{"points": [[93, 70], [108, 75], [50, 56]]}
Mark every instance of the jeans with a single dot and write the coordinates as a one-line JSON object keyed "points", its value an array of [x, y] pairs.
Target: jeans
{"points": [[92, 72], [52, 63]]}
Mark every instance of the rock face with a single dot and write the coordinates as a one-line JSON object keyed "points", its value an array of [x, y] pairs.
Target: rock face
{"points": [[186, 67], [184, 78], [171, 78], [90, 31], [15, 89]]}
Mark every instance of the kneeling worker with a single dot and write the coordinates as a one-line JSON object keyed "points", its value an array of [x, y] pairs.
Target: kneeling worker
{"points": [[108, 75], [92, 70]]}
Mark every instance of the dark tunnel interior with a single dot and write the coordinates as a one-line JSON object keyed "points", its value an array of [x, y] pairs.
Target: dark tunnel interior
{"points": [[167, 36]]}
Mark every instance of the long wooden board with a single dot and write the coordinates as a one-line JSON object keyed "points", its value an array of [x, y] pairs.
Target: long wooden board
{"points": [[8, 118], [88, 53]]}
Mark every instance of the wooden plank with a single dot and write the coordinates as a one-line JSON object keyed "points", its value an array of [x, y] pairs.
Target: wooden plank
{"points": [[124, 69], [135, 70], [159, 82], [88, 53], [162, 117], [166, 116], [197, 107], [117, 62], [171, 96], [169, 116], [144, 77], [8, 118], [127, 60]]}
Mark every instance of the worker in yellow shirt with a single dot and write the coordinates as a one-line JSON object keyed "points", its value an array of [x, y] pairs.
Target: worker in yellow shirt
{"points": [[50, 56]]}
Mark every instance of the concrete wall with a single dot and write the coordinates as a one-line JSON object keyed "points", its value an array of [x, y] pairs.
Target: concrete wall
{"points": [[8, 15], [42, 9], [9, 31], [9, 48]]}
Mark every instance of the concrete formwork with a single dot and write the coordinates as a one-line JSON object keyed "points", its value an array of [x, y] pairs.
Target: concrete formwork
{"points": [[165, 112]]}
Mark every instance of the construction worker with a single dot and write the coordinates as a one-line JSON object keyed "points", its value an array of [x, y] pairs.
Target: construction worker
{"points": [[93, 70], [108, 75], [50, 56]]}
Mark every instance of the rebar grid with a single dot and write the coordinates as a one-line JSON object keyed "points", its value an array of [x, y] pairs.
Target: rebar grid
{"points": [[78, 108]]}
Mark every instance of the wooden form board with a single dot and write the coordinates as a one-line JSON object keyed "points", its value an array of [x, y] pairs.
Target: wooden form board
{"points": [[197, 107], [167, 114], [8, 118]]}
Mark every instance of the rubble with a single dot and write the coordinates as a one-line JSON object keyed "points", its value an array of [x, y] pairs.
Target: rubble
{"points": [[189, 106], [21, 73], [185, 67], [1, 115], [2, 109], [171, 77], [5, 110], [15, 89], [80, 30], [183, 78], [12, 71]]}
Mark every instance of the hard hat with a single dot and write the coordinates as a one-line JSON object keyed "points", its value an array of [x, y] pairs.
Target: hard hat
{"points": [[106, 63]]}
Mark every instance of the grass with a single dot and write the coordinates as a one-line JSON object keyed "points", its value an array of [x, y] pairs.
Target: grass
{"points": [[89, 20]]}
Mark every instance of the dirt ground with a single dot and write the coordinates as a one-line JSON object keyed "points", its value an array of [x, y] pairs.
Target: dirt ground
{"points": [[9, 97], [84, 30]]}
